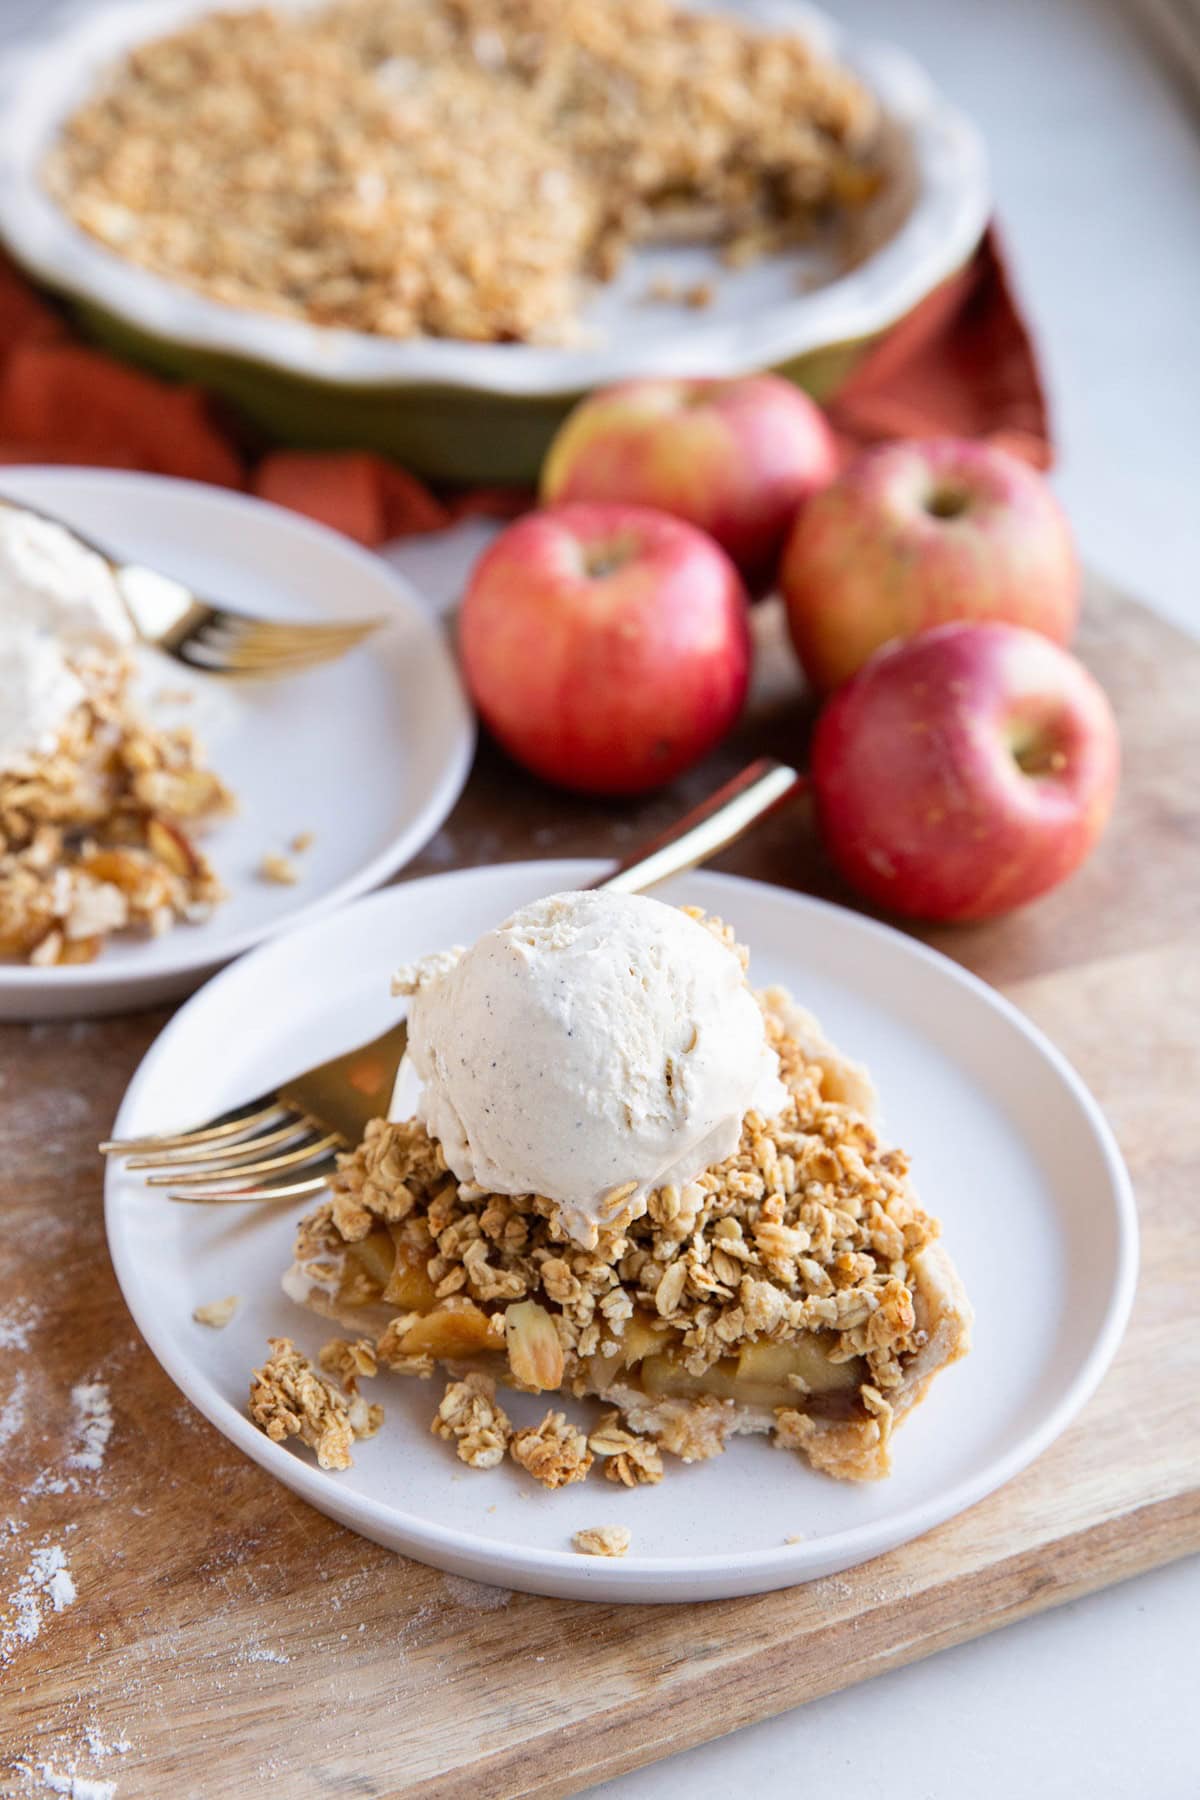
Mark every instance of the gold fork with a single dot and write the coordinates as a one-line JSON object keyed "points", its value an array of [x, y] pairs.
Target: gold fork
{"points": [[284, 1143], [216, 639]]}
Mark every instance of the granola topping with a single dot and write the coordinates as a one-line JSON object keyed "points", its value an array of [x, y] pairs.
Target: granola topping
{"points": [[289, 1399], [603, 1540], [458, 168], [555, 1452]]}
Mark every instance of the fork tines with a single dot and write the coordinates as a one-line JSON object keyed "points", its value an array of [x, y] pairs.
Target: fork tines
{"points": [[230, 643]]}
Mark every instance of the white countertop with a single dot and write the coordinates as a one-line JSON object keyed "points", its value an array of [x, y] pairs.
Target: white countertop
{"points": [[1096, 162]]}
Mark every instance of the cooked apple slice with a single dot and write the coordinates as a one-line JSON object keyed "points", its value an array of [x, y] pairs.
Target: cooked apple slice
{"points": [[409, 1287], [449, 1332]]}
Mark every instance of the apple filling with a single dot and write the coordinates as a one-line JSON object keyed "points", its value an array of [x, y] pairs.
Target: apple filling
{"points": [[806, 1373]]}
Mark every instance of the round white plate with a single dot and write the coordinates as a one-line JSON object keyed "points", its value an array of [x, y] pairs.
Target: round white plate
{"points": [[369, 754], [919, 231], [1010, 1152]]}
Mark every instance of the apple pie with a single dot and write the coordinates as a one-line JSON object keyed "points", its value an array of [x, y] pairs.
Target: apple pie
{"points": [[795, 1288], [96, 830], [457, 168]]}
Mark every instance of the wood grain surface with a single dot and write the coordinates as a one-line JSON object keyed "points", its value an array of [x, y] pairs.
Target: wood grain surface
{"points": [[234, 1639]]}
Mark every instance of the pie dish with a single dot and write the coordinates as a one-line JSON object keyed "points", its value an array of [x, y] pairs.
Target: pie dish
{"points": [[794, 1288], [482, 410]]}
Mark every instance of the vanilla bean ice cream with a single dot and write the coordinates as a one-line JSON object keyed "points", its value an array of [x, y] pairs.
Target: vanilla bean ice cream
{"points": [[592, 1048], [59, 604]]}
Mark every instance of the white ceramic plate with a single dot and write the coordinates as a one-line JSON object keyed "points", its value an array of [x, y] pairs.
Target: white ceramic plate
{"points": [[920, 232], [369, 753], [1010, 1151]]}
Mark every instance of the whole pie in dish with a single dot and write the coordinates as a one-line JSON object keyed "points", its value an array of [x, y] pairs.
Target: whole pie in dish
{"points": [[97, 806], [457, 168], [711, 1238]]}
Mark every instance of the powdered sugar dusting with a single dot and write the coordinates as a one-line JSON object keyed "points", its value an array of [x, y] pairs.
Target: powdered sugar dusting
{"points": [[93, 1424], [16, 1325], [12, 1413], [76, 1787], [47, 1584]]}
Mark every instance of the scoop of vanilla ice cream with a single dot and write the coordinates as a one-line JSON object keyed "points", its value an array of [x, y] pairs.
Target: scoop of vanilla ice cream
{"points": [[58, 602], [37, 693], [592, 1041], [56, 587]]}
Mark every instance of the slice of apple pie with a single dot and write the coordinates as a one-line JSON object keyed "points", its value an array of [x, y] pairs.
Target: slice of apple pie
{"points": [[794, 1287]]}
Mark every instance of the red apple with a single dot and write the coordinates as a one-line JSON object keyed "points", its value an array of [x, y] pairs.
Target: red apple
{"points": [[735, 458], [915, 534], [606, 647], [964, 772]]}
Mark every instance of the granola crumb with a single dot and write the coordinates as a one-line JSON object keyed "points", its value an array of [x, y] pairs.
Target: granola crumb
{"points": [[217, 1313], [603, 1540], [278, 868], [349, 1361], [700, 295], [289, 1399], [629, 1459], [794, 1537], [555, 1452], [470, 1416], [303, 840]]}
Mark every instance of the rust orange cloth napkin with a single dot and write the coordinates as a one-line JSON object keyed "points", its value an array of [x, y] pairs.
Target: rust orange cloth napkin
{"points": [[962, 363]]}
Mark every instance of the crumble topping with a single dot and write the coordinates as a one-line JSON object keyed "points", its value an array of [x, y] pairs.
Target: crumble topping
{"points": [[279, 869], [93, 835], [289, 1399], [555, 1452], [471, 1419], [461, 167], [628, 1458], [603, 1540], [348, 1361], [216, 1313]]}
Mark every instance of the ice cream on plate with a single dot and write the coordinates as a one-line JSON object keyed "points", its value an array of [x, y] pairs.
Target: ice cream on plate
{"points": [[58, 604], [592, 1048]]}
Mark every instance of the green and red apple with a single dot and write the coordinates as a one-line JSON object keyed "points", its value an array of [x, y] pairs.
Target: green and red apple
{"points": [[915, 534], [735, 458], [964, 771]]}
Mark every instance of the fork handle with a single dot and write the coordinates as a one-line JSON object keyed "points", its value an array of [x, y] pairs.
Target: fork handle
{"points": [[709, 827]]}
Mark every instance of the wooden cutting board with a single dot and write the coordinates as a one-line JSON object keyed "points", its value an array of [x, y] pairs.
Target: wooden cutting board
{"points": [[233, 1637]]}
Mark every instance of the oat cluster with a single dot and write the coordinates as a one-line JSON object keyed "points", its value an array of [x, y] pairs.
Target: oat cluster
{"points": [[457, 168], [805, 1236], [289, 1399], [94, 837]]}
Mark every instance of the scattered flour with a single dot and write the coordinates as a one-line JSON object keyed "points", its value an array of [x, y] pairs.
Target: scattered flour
{"points": [[16, 1325], [259, 1656], [476, 1594], [46, 1582], [93, 1424], [76, 1787], [12, 1413], [97, 1747]]}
